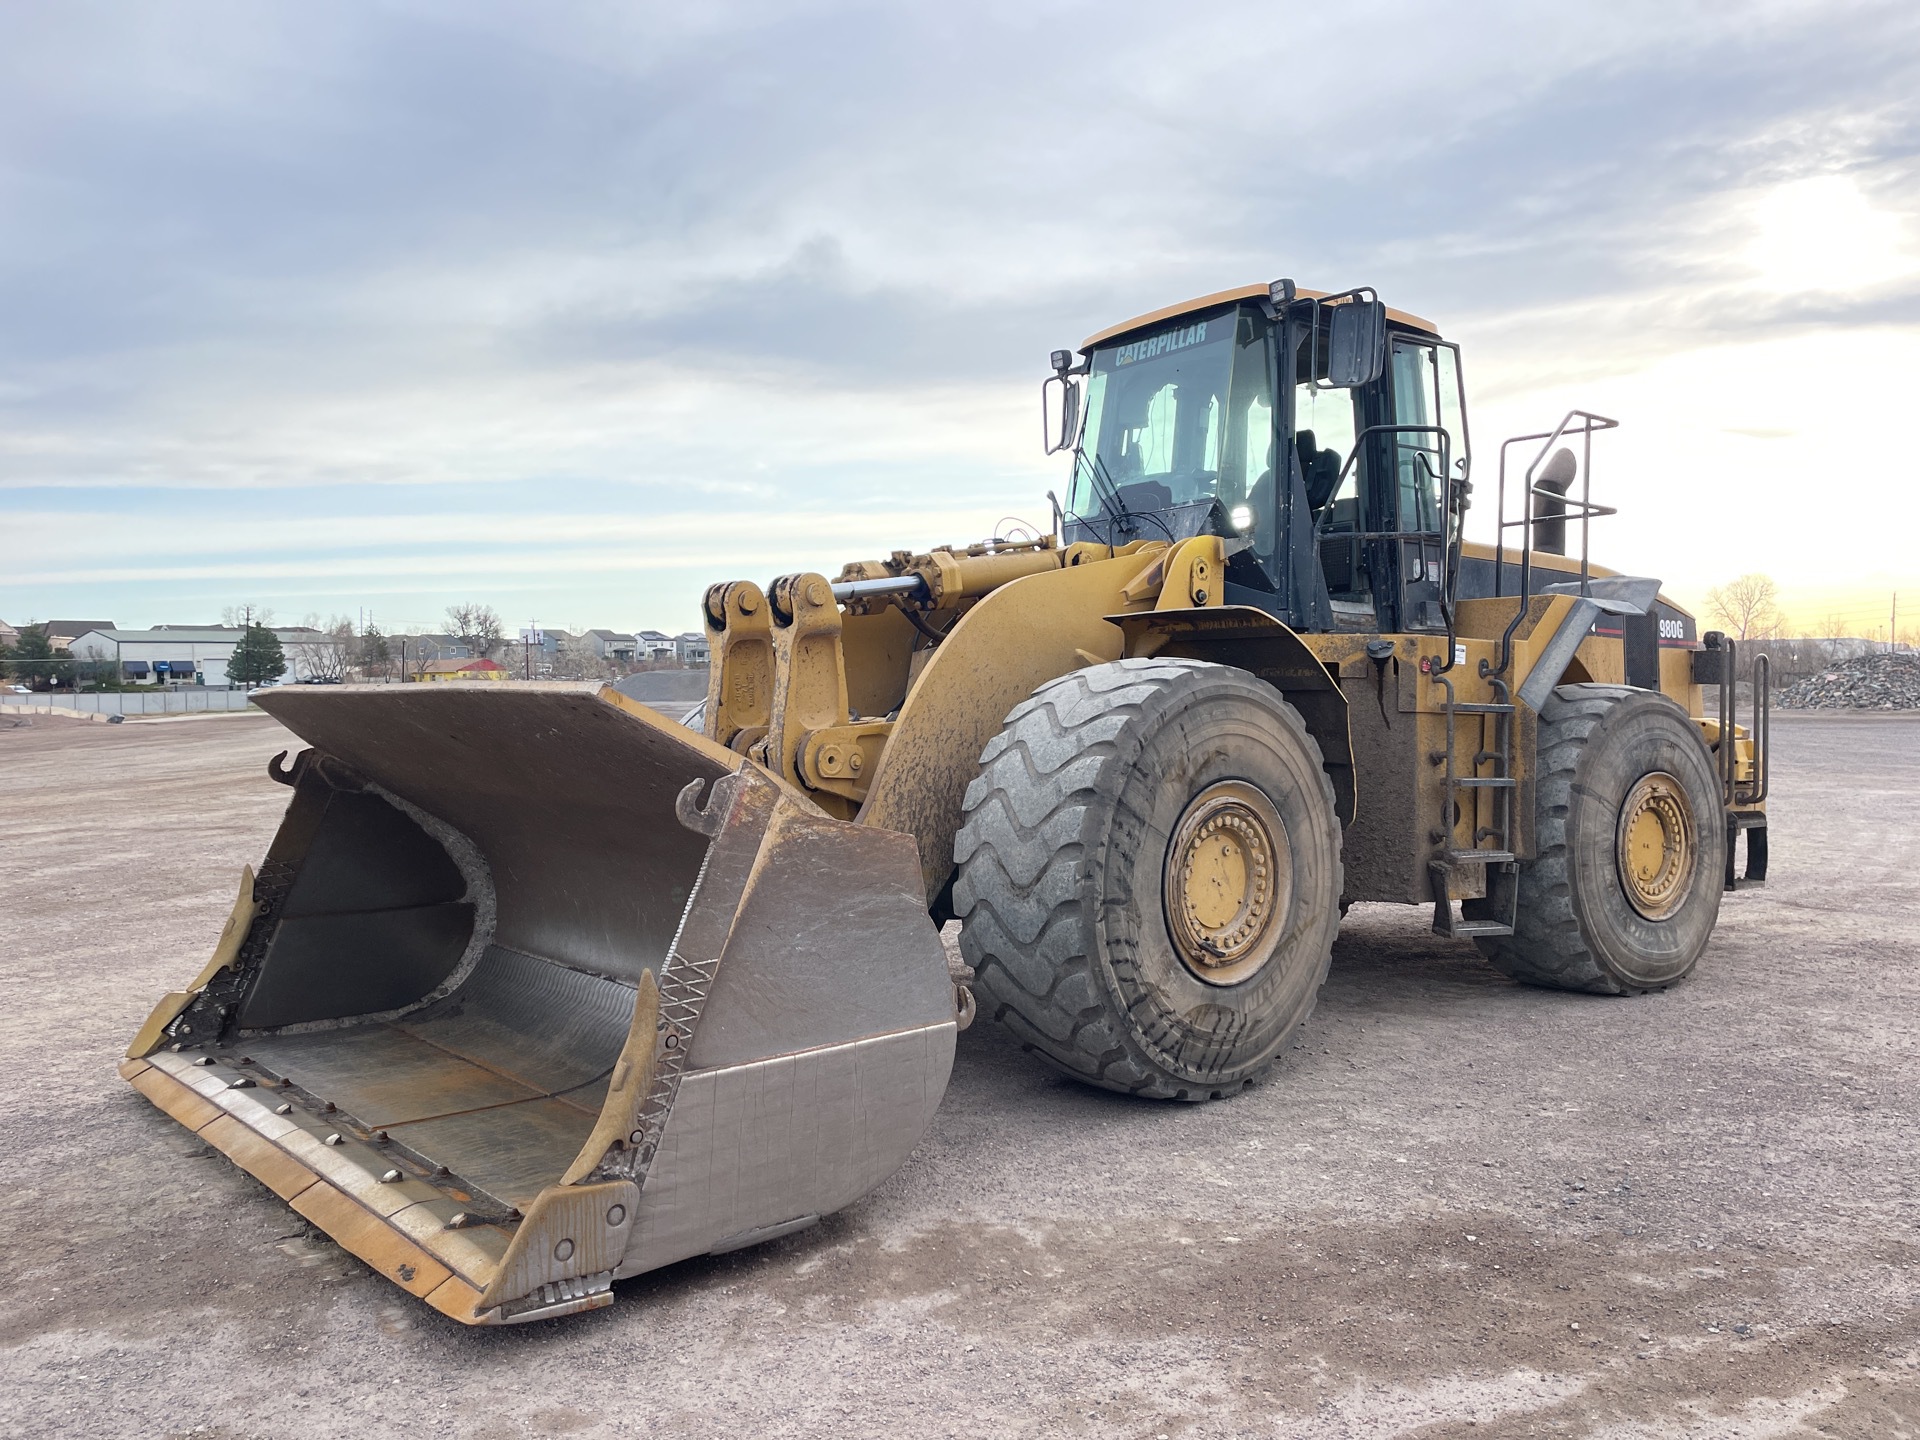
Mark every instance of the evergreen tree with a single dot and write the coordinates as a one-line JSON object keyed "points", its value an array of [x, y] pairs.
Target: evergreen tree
{"points": [[375, 652], [257, 659], [32, 658]]}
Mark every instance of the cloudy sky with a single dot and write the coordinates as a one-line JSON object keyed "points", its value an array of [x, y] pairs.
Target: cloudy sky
{"points": [[573, 308]]}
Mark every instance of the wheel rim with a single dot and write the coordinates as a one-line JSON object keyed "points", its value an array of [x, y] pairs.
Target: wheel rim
{"points": [[1657, 845], [1229, 882]]}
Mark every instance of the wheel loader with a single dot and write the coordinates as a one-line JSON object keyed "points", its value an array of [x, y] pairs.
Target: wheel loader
{"points": [[536, 989]]}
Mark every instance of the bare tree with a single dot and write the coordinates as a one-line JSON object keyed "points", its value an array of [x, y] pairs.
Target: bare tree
{"points": [[1749, 607], [240, 616], [478, 627], [574, 660], [327, 654]]}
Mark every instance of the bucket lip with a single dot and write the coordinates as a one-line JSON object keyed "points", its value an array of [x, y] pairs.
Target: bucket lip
{"points": [[338, 1188], [292, 707]]}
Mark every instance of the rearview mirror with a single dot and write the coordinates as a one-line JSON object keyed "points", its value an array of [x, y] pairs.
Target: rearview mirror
{"points": [[1356, 343], [1060, 420]]}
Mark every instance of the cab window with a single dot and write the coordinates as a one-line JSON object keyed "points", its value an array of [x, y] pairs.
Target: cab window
{"points": [[1426, 392]]}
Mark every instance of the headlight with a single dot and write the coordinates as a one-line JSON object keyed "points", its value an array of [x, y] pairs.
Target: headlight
{"points": [[1242, 517]]}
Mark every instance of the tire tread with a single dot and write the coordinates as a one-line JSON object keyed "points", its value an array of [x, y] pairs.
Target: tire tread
{"points": [[1019, 851], [1548, 947]]}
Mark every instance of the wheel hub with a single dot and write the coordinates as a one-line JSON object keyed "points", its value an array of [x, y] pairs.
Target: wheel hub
{"points": [[1657, 847], [1229, 882]]}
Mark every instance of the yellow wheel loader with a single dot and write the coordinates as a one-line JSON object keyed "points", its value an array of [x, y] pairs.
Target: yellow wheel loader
{"points": [[536, 989]]}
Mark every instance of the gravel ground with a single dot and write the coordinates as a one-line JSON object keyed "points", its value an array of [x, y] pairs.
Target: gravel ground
{"points": [[1457, 1207]]}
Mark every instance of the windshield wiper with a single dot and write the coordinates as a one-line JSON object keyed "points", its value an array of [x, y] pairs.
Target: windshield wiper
{"points": [[1109, 493]]}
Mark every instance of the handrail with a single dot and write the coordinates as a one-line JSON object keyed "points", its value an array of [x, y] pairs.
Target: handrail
{"points": [[1762, 682], [1590, 425], [1762, 725]]}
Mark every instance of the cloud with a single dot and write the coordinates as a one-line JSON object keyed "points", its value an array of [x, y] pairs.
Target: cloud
{"points": [[427, 266]]}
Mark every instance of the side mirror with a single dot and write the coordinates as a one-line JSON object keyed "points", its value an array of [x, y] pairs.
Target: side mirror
{"points": [[1060, 421], [1356, 343]]}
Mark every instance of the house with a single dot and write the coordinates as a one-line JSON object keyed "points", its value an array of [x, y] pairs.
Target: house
{"points": [[691, 648], [428, 648], [549, 642], [652, 645], [611, 645], [435, 670], [9, 636], [62, 633], [175, 654]]}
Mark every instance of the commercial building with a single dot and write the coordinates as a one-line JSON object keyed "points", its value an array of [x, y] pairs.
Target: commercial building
{"points": [[175, 655]]}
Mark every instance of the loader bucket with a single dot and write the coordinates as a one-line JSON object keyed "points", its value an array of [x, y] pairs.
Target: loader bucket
{"points": [[536, 990]]}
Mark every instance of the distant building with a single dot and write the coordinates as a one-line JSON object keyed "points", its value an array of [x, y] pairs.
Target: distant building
{"points": [[9, 636], [611, 645], [655, 646], [62, 633], [691, 648], [176, 654], [429, 647], [549, 642], [461, 670]]}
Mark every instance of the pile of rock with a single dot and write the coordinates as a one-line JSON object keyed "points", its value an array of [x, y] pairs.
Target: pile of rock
{"points": [[1870, 682]]}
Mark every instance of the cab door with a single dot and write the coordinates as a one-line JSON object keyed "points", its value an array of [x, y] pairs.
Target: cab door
{"points": [[1419, 453]]}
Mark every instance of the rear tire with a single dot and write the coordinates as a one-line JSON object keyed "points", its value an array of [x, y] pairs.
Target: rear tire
{"points": [[1624, 891], [1149, 876]]}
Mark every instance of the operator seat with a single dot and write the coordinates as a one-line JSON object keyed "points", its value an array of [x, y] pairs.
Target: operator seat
{"points": [[1320, 468]]}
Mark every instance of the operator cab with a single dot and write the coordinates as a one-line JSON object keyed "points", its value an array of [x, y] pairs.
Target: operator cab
{"points": [[1176, 420]]}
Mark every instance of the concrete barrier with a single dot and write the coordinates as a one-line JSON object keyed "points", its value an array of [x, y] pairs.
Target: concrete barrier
{"points": [[195, 701], [28, 712]]}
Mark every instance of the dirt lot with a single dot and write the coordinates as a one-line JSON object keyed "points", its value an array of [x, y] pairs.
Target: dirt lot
{"points": [[1457, 1207]]}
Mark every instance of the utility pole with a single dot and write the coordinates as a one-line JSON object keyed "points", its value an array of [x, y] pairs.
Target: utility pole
{"points": [[1893, 617]]}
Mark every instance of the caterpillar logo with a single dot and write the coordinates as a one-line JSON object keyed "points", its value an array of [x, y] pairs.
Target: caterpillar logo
{"points": [[1163, 342]]}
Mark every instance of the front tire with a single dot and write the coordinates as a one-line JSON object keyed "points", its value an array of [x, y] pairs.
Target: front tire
{"points": [[1624, 891], [1149, 876]]}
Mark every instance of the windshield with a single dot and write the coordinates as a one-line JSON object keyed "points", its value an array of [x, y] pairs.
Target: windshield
{"points": [[1178, 415]]}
